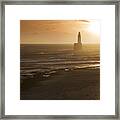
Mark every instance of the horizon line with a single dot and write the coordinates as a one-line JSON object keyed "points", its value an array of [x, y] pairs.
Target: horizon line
{"points": [[57, 44]]}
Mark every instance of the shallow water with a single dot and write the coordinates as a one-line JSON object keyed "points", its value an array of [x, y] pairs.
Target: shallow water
{"points": [[42, 58]]}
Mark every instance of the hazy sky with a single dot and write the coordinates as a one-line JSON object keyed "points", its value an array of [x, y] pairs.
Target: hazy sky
{"points": [[58, 31]]}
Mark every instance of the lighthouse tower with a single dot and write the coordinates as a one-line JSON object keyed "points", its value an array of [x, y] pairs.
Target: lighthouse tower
{"points": [[78, 45], [79, 38]]}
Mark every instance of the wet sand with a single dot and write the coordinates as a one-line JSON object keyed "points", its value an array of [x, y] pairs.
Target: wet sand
{"points": [[64, 84]]}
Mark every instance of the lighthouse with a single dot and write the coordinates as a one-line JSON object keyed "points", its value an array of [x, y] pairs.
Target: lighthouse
{"points": [[78, 45]]}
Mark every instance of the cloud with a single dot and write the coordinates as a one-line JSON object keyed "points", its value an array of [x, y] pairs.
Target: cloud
{"points": [[48, 31]]}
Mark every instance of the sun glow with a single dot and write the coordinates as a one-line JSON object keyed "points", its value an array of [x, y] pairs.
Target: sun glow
{"points": [[94, 27]]}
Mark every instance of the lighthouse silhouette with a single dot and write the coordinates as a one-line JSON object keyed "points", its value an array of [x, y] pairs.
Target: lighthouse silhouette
{"points": [[78, 45]]}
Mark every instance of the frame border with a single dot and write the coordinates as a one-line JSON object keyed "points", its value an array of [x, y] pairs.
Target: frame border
{"points": [[52, 2]]}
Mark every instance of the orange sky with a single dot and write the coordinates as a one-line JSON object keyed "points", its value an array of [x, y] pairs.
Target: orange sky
{"points": [[56, 32]]}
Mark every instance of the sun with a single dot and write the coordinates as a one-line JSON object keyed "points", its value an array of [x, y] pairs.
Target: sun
{"points": [[94, 27]]}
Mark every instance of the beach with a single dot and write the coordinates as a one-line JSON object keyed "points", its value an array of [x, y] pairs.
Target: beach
{"points": [[63, 84], [57, 72]]}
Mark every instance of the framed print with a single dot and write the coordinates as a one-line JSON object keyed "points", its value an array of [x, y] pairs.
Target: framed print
{"points": [[60, 60]]}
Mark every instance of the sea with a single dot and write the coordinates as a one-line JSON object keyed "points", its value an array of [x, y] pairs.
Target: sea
{"points": [[49, 58]]}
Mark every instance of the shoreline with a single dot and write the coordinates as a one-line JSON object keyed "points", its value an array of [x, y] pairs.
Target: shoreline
{"points": [[64, 84]]}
